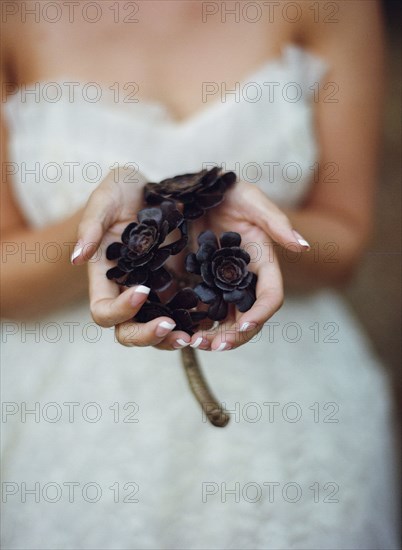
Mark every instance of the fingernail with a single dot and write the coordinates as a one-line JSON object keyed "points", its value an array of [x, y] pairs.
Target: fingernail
{"points": [[141, 289], [222, 346], [244, 327], [164, 328], [196, 343], [180, 343], [302, 242], [76, 253], [138, 294]]}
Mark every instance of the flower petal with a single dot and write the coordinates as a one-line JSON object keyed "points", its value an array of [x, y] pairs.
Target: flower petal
{"points": [[159, 259], [218, 310], [173, 216], [113, 251], [150, 213], [234, 295], [114, 273], [182, 182], [137, 277], [192, 211], [125, 264], [184, 227], [210, 200], [153, 297], [206, 273], [184, 299], [233, 251], [191, 263], [205, 252], [247, 300], [230, 238], [150, 311], [159, 279], [183, 320], [126, 233], [197, 316], [230, 270], [206, 294], [208, 236], [151, 193], [222, 285], [142, 260], [210, 177], [177, 246], [163, 231], [228, 179], [246, 281]]}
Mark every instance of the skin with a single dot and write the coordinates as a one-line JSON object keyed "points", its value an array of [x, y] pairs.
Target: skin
{"points": [[347, 134]]}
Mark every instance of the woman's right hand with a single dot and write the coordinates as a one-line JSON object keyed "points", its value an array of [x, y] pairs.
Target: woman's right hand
{"points": [[110, 208]]}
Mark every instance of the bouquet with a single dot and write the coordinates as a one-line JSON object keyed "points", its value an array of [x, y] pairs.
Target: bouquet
{"points": [[216, 275]]}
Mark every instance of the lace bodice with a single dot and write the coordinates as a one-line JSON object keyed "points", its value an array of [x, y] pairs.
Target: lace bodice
{"points": [[64, 139]]}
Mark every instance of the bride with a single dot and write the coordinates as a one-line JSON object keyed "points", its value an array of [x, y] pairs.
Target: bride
{"points": [[103, 446]]}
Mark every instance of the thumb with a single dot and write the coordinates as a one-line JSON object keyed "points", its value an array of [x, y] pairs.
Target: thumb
{"points": [[98, 216], [271, 219]]}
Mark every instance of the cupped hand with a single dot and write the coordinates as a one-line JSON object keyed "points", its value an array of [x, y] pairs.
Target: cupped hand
{"points": [[110, 208], [261, 224]]}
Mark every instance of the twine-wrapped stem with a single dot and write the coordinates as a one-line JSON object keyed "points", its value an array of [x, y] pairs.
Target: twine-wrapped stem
{"points": [[215, 413]]}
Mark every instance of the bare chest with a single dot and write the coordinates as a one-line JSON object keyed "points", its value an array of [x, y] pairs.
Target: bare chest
{"points": [[160, 54]]}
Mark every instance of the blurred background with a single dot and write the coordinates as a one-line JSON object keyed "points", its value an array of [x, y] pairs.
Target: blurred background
{"points": [[378, 306]]}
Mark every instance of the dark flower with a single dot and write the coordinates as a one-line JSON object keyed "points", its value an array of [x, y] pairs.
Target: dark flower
{"points": [[223, 268], [140, 257], [177, 309], [197, 192]]}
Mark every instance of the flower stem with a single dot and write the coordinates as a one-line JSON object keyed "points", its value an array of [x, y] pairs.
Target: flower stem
{"points": [[215, 413]]}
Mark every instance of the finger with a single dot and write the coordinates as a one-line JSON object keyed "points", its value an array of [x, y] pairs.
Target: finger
{"points": [[269, 293], [108, 307], [203, 339], [94, 224], [144, 334], [99, 213], [177, 339], [271, 219]]}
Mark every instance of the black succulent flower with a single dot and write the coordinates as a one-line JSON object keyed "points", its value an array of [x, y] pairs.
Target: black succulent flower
{"points": [[177, 309], [223, 268], [197, 192], [140, 256]]}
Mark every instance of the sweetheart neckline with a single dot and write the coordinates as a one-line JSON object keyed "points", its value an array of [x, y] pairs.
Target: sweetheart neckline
{"points": [[164, 109]]}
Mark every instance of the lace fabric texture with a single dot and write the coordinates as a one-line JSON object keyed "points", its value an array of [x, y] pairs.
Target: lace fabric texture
{"points": [[306, 461]]}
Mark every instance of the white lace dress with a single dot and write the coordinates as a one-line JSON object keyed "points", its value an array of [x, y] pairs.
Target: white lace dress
{"points": [[117, 453]]}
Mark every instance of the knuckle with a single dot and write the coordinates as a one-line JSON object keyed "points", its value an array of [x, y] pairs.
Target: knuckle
{"points": [[129, 334], [278, 299], [122, 336], [99, 318], [264, 310]]}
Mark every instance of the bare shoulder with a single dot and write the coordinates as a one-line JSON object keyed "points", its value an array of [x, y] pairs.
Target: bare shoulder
{"points": [[15, 31], [342, 26]]}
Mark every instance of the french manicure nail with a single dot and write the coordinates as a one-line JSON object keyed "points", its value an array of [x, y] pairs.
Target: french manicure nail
{"points": [[196, 343], [141, 289], [302, 242], [244, 327], [180, 342], [222, 346], [76, 253], [164, 328]]}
